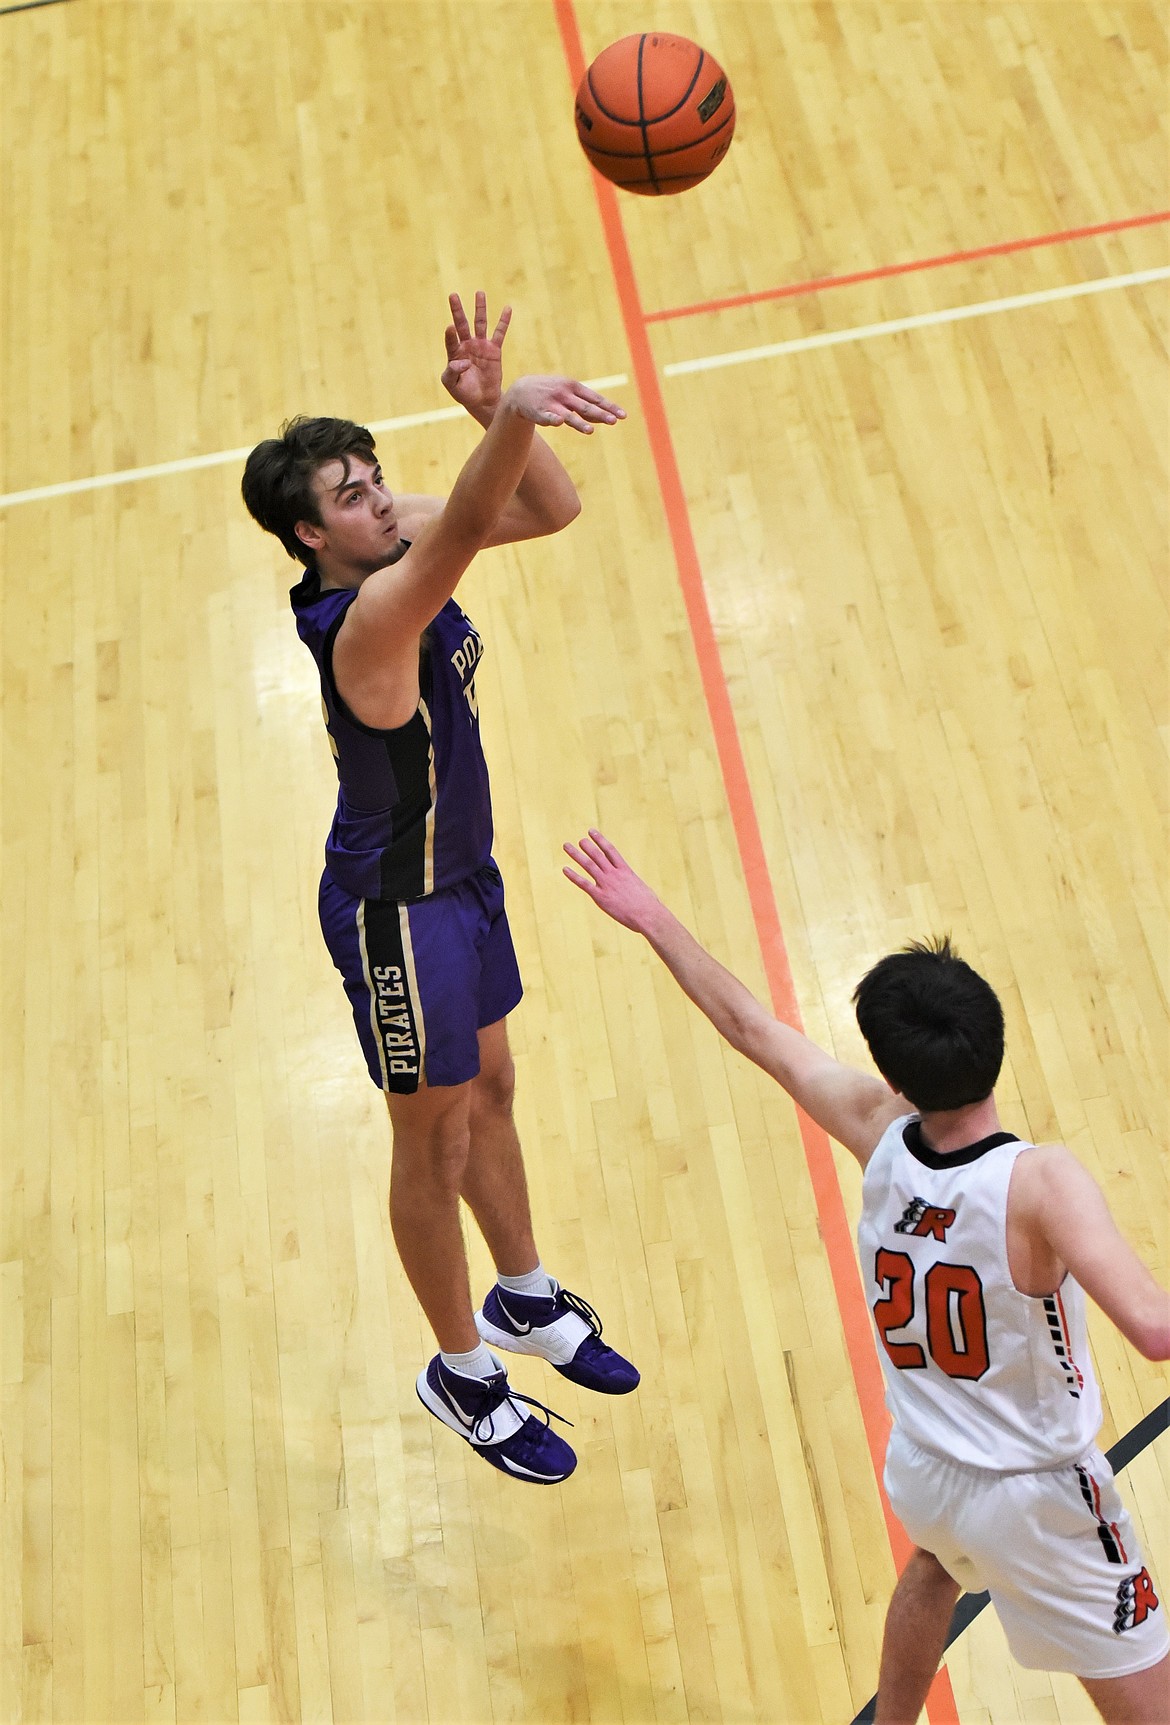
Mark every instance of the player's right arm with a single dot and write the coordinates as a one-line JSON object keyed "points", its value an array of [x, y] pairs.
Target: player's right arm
{"points": [[1058, 1221], [851, 1106], [376, 651]]}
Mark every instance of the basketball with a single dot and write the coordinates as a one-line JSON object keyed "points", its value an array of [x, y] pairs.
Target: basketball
{"points": [[655, 113]]}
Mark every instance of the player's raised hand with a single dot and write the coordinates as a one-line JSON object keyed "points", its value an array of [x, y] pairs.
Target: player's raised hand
{"points": [[562, 401], [474, 370], [611, 883]]}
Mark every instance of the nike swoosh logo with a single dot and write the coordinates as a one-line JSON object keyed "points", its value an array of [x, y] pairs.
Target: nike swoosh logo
{"points": [[464, 1419], [520, 1329]]}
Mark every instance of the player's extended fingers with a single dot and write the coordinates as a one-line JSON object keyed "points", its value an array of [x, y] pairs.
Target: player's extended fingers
{"points": [[597, 860], [580, 858], [480, 313], [607, 848], [579, 880], [600, 411], [601, 402], [501, 328], [462, 327], [582, 415]]}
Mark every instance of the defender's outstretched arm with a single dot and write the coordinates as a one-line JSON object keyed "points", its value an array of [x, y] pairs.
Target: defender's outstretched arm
{"points": [[853, 1107]]}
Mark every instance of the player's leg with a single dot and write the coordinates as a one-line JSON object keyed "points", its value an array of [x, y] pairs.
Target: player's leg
{"points": [[410, 972], [464, 1385], [1142, 1698], [527, 1312], [914, 1638], [494, 1184], [407, 1008], [427, 1168]]}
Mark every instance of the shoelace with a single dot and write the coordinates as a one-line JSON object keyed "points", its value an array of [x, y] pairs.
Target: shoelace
{"points": [[511, 1395], [582, 1308]]}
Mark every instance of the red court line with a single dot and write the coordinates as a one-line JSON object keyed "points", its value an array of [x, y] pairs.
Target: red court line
{"points": [[1001, 249], [834, 1224]]}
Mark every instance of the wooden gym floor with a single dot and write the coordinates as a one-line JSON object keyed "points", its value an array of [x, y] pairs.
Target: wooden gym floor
{"points": [[853, 642]]}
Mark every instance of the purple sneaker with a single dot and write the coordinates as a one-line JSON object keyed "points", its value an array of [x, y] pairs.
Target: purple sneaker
{"points": [[561, 1328], [485, 1412]]}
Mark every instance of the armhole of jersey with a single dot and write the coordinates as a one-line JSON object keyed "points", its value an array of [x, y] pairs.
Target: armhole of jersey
{"points": [[875, 1162], [335, 694], [1022, 1144]]}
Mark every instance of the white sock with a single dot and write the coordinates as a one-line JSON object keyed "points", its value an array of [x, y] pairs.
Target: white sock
{"points": [[477, 1364], [536, 1282]]}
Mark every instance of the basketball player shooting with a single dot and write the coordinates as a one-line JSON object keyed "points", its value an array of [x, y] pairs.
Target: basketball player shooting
{"points": [[975, 1249], [411, 903]]}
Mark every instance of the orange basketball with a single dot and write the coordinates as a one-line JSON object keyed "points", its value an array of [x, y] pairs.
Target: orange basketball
{"points": [[655, 113]]}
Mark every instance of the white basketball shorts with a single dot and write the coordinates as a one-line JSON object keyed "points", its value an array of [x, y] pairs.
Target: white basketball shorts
{"points": [[1056, 1551]]}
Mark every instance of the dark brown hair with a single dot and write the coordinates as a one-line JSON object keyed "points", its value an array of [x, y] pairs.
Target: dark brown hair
{"points": [[278, 475]]}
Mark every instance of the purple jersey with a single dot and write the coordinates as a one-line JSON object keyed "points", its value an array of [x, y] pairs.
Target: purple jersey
{"points": [[414, 812]]}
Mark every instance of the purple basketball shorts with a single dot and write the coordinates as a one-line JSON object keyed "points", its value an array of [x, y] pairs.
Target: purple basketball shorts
{"points": [[423, 976]]}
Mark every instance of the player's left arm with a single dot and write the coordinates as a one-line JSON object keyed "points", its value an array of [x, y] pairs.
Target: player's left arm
{"points": [[546, 499], [1065, 1207]]}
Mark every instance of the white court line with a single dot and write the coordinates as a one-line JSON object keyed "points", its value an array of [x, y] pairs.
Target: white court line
{"points": [[189, 463], [923, 320]]}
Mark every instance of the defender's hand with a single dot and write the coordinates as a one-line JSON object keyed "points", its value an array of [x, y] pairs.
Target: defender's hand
{"points": [[474, 370], [562, 401], [612, 883]]}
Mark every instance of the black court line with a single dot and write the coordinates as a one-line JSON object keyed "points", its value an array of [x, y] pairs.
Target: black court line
{"points": [[1124, 1451], [30, 5]]}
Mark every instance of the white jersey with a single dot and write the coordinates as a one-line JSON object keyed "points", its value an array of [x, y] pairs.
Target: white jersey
{"points": [[974, 1369]]}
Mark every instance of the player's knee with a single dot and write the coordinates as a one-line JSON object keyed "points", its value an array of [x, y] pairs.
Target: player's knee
{"points": [[494, 1091], [435, 1152]]}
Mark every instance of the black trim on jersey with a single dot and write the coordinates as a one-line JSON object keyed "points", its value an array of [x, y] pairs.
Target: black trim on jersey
{"points": [[920, 1150], [1059, 1345], [335, 694], [306, 590], [310, 589], [409, 750], [424, 654]]}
